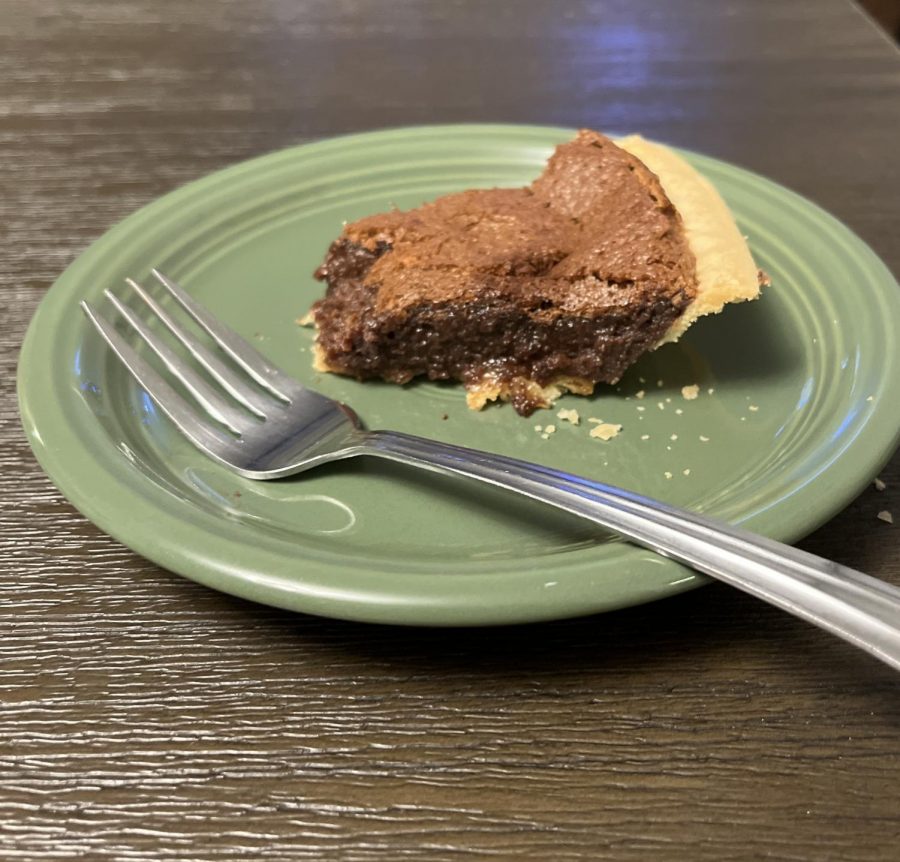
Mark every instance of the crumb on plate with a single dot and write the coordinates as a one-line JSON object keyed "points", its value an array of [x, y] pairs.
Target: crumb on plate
{"points": [[606, 430]]}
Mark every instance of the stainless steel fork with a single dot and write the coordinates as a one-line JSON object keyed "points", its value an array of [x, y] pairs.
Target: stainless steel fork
{"points": [[256, 420]]}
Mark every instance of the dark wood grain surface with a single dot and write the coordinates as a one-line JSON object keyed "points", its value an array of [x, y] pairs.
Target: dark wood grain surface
{"points": [[144, 717]]}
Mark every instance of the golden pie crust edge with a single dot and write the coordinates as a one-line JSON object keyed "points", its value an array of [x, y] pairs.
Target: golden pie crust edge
{"points": [[725, 269]]}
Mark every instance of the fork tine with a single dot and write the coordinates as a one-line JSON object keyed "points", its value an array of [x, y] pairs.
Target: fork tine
{"points": [[235, 384], [216, 406], [241, 351], [182, 414]]}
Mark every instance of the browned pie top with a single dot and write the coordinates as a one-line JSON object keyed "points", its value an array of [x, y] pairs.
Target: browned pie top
{"points": [[594, 232]]}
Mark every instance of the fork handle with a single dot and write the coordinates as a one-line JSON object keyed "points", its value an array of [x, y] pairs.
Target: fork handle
{"points": [[856, 607]]}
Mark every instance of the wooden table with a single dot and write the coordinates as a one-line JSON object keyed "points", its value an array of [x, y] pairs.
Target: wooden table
{"points": [[145, 717]]}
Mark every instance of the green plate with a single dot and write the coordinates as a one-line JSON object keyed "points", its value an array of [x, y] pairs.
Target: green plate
{"points": [[796, 413]]}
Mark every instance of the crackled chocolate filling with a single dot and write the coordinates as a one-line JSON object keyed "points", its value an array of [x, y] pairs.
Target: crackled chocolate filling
{"points": [[574, 276]]}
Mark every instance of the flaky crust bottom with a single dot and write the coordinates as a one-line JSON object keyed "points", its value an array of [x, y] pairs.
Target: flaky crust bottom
{"points": [[478, 395]]}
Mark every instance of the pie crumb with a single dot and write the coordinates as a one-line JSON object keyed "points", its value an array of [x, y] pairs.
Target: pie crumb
{"points": [[641, 408], [678, 411], [640, 394], [645, 436], [661, 406], [710, 390], [879, 485], [704, 439], [753, 408], [606, 431], [886, 516], [689, 393], [549, 429], [687, 471], [569, 416], [667, 474], [539, 428], [870, 398], [659, 384]]}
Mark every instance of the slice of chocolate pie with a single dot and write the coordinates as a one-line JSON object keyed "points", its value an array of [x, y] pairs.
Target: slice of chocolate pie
{"points": [[524, 293]]}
